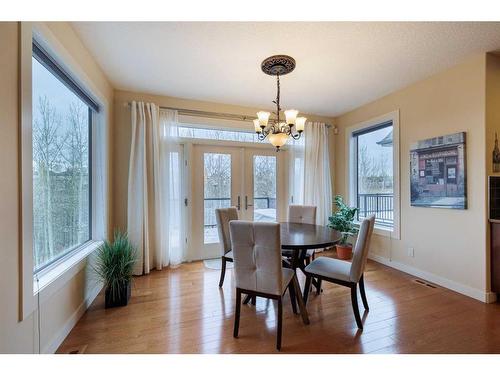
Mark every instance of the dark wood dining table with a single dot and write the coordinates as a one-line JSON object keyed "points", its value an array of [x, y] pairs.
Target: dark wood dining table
{"points": [[297, 238]]}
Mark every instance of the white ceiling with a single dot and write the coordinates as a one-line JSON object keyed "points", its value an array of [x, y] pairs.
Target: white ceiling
{"points": [[340, 66]]}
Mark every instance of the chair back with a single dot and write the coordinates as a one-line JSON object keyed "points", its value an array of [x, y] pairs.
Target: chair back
{"points": [[361, 249], [223, 217], [301, 214], [257, 256]]}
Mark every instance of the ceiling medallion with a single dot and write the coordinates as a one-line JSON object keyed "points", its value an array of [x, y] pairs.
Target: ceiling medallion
{"points": [[276, 131], [278, 65]]}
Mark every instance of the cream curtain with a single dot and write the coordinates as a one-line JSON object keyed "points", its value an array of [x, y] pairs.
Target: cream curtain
{"points": [[152, 185], [309, 171]]}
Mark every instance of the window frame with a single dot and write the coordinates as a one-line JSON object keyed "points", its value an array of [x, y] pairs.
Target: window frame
{"points": [[352, 167], [196, 127], [49, 63], [38, 287]]}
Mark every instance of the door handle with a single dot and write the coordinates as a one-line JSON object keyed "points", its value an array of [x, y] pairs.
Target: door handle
{"points": [[239, 203], [246, 203]]}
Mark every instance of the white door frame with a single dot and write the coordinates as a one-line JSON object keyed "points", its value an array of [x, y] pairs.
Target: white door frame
{"points": [[241, 168]]}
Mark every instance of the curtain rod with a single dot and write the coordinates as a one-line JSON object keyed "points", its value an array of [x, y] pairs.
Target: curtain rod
{"points": [[215, 115]]}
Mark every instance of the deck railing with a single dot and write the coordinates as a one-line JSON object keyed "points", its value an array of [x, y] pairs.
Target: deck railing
{"points": [[212, 203], [380, 205]]}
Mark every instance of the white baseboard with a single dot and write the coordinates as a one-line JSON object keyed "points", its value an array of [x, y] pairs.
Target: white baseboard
{"points": [[54, 344], [478, 294]]}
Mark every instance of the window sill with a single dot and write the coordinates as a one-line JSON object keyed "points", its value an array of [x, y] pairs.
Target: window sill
{"points": [[56, 276], [383, 231]]}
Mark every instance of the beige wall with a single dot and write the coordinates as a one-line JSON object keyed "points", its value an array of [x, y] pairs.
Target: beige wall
{"points": [[64, 306], [492, 126], [449, 244], [122, 134], [492, 106]]}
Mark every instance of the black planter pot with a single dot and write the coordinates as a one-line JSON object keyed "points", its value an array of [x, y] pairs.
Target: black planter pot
{"points": [[121, 300]]}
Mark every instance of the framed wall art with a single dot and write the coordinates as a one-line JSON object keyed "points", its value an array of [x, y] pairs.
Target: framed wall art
{"points": [[438, 172]]}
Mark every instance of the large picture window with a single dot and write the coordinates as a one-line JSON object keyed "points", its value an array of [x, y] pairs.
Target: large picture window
{"points": [[62, 123], [373, 173]]}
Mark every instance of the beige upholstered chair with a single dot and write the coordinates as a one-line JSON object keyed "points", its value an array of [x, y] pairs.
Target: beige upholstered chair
{"points": [[301, 214], [224, 216], [258, 270], [345, 273]]}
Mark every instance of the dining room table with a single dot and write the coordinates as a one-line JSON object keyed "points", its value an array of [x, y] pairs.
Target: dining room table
{"points": [[298, 238]]}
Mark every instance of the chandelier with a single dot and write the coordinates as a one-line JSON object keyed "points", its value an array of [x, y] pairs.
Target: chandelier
{"points": [[277, 131]]}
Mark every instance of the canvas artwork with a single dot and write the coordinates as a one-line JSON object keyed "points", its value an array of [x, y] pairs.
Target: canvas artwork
{"points": [[438, 172]]}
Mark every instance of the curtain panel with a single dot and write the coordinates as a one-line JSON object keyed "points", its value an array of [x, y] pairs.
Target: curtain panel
{"points": [[309, 171], [152, 184]]}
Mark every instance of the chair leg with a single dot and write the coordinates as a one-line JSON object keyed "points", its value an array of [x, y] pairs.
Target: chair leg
{"points": [[280, 323], [237, 313], [222, 272], [318, 287], [247, 299], [302, 306], [354, 300], [306, 288], [254, 300], [291, 291], [363, 294]]}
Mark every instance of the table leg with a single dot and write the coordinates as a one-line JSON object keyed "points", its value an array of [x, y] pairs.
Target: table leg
{"points": [[295, 260], [302, 306], [300, 263]]}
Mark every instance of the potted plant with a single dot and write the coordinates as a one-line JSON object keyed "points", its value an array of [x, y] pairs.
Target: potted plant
{"points": [[342, 220], [114, 266]]}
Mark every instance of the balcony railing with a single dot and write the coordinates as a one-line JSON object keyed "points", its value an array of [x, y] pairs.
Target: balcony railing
{"points": [[212, 203], [380, 205]]}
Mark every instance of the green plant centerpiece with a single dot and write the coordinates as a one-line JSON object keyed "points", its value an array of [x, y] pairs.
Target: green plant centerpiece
{"points": [[342, 220], [114, 267]]}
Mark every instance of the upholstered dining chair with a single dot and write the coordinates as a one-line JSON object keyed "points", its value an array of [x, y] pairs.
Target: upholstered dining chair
{"points": [[301, 214], [223, 217], [345, 273], [258, 269]]}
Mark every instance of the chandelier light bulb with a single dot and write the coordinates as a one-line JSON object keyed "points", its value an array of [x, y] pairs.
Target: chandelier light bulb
{"points": [[300, 123], [291, 116], [256, 124], [263, 118]]}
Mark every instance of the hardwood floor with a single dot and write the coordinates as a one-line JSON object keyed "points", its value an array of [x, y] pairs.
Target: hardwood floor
{"points": [[183, 311]]}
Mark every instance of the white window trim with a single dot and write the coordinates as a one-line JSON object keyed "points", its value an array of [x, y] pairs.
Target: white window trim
{"points": [[351, 182], [220, 124], [52, 278]]}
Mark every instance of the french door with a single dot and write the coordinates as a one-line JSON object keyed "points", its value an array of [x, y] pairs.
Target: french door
{"points": [[248, 178]]}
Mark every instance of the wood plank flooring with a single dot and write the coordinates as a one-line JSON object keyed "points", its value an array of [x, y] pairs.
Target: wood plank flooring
{"points": [[183, 310]]}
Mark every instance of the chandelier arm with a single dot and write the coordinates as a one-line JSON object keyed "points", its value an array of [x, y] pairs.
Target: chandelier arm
{"points": [[278, 108]]}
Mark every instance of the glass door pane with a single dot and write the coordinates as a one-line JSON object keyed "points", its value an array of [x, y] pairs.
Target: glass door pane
{"points": [[264, 187], [217, 191]]}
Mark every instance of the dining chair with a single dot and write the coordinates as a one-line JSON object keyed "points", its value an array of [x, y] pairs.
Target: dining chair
{"points": [[345, 273], [258, 270], [223, 217], [301, 214]]}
